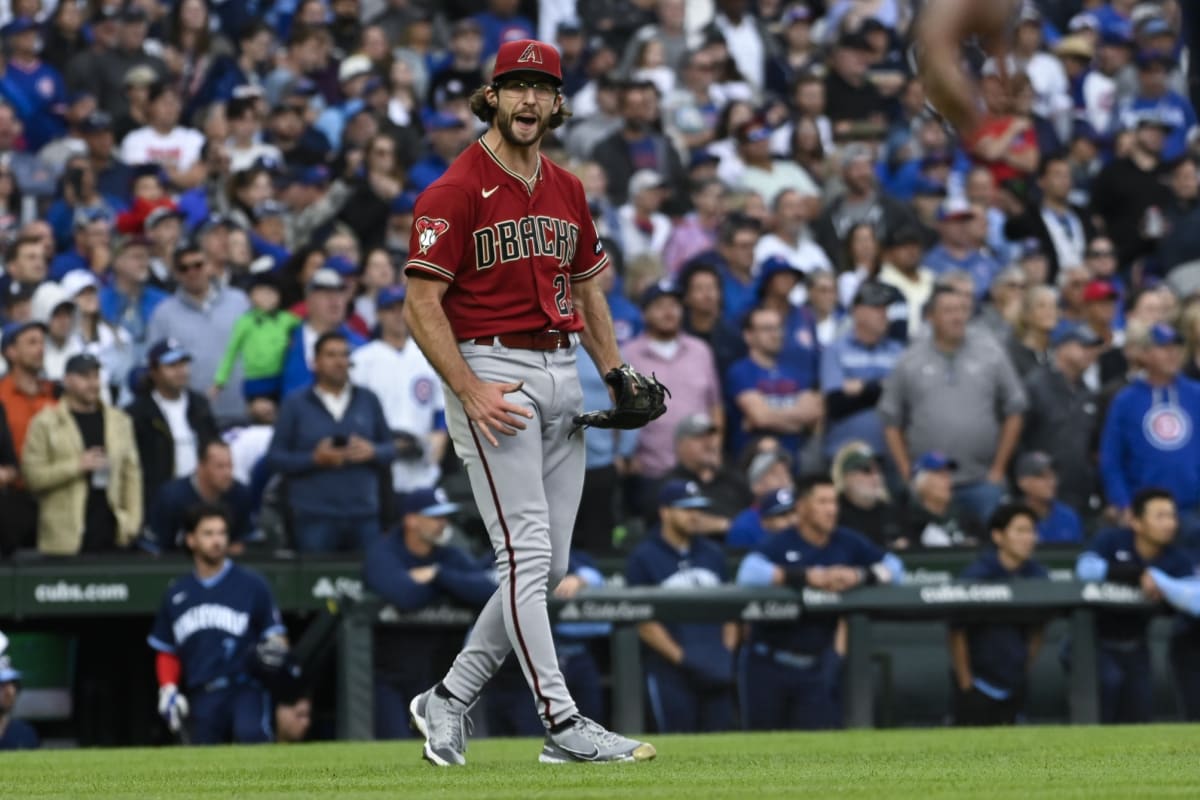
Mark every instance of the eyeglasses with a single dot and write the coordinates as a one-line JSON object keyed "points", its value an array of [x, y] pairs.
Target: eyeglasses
{"points": [[542, 90], [188, 266], [1101, 253], [383, 151]]}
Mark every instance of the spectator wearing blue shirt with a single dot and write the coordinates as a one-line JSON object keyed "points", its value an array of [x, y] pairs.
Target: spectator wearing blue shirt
{"points": [[15, 734], [35, 90], [413, 568], [447, 137], [1057, 523], [991, 660], [789, 673], [90, 233], [127, 300], [958, 249], [325, 303], [1150, 436], [778, 280], [501, 23], [854, 367], [766, 395], [733, 259], [1128, 556], [1154, 95], [689, 666], [332, 444]]}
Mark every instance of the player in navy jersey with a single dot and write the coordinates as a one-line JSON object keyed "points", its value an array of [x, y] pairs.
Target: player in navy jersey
{"points": [[1130, 556], [991, 660], [689, 666], [790, 673], [15, 734], [212, 629], [414, 568]]}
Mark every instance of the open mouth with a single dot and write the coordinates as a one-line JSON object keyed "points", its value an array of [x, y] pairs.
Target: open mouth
{"points": [[526, 120]]}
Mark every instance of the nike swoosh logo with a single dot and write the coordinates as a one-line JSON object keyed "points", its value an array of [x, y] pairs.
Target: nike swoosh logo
{"points": [[592, 756], [489, 192]]}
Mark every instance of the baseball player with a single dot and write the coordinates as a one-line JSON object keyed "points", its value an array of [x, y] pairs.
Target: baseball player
{"points": [[790, 673], [499, 298], [215, 629]]}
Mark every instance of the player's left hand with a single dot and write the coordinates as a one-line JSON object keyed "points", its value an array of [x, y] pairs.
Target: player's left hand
{"points": [[637, 401], [569, 586]]}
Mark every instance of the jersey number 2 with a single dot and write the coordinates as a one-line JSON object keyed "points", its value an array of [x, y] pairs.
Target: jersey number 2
{"points": [[562, 294]]}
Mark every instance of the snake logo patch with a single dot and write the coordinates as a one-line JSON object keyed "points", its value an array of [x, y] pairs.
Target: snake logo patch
{"points": [[429, 231]]}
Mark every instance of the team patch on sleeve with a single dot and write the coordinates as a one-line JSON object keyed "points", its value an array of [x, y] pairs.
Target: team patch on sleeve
{"points": [[428, 231]]}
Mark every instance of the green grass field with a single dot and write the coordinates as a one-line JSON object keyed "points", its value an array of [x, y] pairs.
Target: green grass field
{"points": [[1159, 761]]}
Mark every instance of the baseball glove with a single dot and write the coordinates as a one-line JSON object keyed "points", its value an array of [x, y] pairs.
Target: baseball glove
{"points": [[638, 401]]}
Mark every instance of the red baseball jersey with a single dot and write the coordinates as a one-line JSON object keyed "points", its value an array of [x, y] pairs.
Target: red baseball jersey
{"points": [[509, 248]]}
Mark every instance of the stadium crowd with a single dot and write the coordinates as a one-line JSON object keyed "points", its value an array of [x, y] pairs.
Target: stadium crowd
{"points": [[207, 207]]}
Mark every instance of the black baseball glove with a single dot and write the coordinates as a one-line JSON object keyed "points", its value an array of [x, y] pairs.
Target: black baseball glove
{"points": [[638, 401]]}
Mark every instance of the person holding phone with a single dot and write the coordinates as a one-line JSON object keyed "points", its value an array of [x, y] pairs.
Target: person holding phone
{"points": [[330, 443]]}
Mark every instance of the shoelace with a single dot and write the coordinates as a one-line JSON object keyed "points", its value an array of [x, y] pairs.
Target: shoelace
{"points": [[456, 735], [597, 733]]}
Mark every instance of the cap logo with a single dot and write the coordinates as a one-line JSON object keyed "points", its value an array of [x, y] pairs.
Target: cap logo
{"points": [[531, 55], [429, 231]]}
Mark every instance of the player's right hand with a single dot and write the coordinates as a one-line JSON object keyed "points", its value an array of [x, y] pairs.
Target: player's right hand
{"points": [[172, 706], [485, 406]]}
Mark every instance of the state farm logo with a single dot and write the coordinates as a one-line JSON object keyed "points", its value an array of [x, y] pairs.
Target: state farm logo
{"points": [[332, 588], [606, 611]]}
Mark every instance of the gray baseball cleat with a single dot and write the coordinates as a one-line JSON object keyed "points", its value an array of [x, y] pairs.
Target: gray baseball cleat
{"points": [[587, 741], [444, 724]]}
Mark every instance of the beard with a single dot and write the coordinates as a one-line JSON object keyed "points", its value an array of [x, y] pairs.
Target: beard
{"points": [[507, 121]]}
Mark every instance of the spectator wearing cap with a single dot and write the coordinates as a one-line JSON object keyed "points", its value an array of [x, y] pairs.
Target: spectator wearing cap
{"points": [[23, 393], [854, 367], [200, 316], [91, 244], [169, 419], [698, 458], [163, 141], [1037, 485], [54, 308], [778, 283], [1029, 345], [15, 734], [861, 201], [764, 174], [790, 673], [135, 88], [410, 391], [1063, 417], [991, 661], [852, 97], [792, 210], [462, 67], [1155, 96], [36, 89], [414, 567], [312, 201], [325, 305], [902, 270], [212, 482], [932, 518], [957, 248], [103, 70], [689, 667], [1061, 229], [684, 364], [767, 395], [1128, 194], [81, 463], [259, 340], [128, 301], [113, 176], [448, 135], [955, 391], [642, 227], [331, 441], [864, 503], [638, 145], [772, 512], [1150, 436], [353, 72], [110, 344]]}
